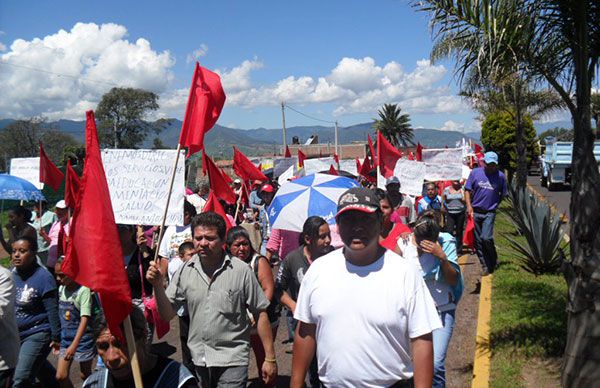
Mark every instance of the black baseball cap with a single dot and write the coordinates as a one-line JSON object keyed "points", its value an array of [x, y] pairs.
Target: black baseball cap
{"points": [[358, 198]]}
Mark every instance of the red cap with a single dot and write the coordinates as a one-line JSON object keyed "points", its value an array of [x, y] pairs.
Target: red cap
{"points": [[267, 188]]}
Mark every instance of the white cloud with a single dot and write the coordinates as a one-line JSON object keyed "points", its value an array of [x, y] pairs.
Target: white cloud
{"points": [[453, 126], [197, 54], [2, 47], [353, 86], [63, 74]]}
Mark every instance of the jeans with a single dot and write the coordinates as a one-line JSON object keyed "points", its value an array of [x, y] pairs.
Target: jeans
{"points": [[441, 339], [231, 377], [455, 225], [32, 362], [484, 240]]}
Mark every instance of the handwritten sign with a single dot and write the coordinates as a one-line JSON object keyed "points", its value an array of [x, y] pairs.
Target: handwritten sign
{"points": [[443, 172], [28, 169], [348, 165], [138, 181], [411, 175], [312, 166], [443, 156]]}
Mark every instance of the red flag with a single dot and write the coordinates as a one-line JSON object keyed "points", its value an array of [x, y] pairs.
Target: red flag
{"points": [[226, 177], [72, 184], [94, 257], [213, 205], [49, 173], [336, 157], [358, 166], [387, 156], [478, 148], [411, 156], [365, 170], [204, 106], [301, 158], [332, 170], [372, 149], [245, 169], [288, 154], [419, 152], [244, 194], [218, 183]]}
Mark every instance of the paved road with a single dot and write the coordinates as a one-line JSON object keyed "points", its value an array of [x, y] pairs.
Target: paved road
{"points": [[561, 199]]}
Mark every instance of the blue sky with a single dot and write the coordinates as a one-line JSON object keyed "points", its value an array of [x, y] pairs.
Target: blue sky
{"points": [[334, 60]]}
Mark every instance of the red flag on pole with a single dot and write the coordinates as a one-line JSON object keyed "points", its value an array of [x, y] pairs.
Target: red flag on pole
{"points": [[244, 194], [301, 158], [72, 184], [218, 183], [204, 106], [288, 154], [213, 205], [387, 156], [419, 152], [332, 170], [411, 156], [478, 148], [365, 170], [94, 257], [372, 149], [358, 166], [226, 176], [245, 169], [49, 173], [337, 159]]}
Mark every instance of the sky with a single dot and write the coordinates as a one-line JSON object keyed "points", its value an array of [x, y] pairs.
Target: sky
{"points": [[329, 60]]}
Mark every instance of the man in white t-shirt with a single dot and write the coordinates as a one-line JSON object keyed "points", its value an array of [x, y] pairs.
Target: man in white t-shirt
{"points": [[366, 311], [173, 237]]}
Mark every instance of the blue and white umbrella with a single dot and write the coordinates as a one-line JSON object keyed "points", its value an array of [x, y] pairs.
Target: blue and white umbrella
{"points": [[12, 187], [312, 195]]}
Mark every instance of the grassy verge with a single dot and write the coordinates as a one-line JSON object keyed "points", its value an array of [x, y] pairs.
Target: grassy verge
{"points": [[528, 319]]}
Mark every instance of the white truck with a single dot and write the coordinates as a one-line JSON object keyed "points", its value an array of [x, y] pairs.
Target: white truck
{"points": [[556, 163]]}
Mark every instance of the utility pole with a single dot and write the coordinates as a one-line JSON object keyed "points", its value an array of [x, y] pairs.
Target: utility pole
{"points": [[336, 139], [283, 117]]}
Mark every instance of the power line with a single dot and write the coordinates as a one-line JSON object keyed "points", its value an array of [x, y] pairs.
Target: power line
{"points": [[58, 74], [308, 116]]}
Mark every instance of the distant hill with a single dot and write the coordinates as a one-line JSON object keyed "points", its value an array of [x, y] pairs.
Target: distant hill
{"points": [[219, 140]]}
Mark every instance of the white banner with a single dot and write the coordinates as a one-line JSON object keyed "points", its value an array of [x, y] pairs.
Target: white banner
{"points": [[348, 165], [411, 175], [312, 166], [282, 165], [443, 172], [138, 181], [287, 174], [443, 156], [28, 169]]}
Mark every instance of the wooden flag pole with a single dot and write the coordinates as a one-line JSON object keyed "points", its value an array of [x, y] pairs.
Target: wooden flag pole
{"points": [[237, 203], [135, 363], [164, 219]]}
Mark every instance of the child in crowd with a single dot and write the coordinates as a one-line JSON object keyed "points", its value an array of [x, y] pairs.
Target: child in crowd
{"points": [[77, 340], [186, 252]]}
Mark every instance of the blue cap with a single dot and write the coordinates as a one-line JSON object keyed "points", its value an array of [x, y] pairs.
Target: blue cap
{"points": [[490, 157]]}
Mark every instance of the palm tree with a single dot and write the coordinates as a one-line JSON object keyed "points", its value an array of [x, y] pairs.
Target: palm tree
{"points": [[394, 125], [556, 42]]}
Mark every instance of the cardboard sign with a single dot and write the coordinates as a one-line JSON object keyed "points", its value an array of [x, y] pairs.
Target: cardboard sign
{"points": [[312, 166], [28, 169], [442, 156], [348, 165], [443, 172], [411, 175], [138, 181]]}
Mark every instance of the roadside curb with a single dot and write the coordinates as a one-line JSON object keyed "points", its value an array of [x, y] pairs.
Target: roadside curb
{"points": [[483, 352]]}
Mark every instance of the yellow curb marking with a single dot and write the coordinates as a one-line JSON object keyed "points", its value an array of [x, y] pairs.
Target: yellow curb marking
{"points": [[483, 352]]}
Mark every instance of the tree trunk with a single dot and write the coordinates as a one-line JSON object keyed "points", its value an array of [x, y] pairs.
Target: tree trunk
{"points": [[581, 363], [521, 172]]}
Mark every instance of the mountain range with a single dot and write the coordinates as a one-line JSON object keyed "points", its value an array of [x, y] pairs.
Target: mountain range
{"points": [[260, 141]]}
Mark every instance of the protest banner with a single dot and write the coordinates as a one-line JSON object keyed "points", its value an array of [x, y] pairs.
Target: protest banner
{"points": [[282, 165], [442, 156], [312, 166], [28, 169], [348, 165], [411, 175], [287, 174], [138, 181], [443, 171]]}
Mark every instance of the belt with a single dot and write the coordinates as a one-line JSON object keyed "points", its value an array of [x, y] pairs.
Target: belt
{"points": [[482, 211], [404, 384]]}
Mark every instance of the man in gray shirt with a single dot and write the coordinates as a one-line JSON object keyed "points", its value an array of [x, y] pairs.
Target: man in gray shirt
{"points": [[218, 290]]}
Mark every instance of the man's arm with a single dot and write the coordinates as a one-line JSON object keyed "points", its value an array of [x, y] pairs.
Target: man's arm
{"points": [[422, 351], [305, 346], [468, 202], [155, 277], [269, 366]]}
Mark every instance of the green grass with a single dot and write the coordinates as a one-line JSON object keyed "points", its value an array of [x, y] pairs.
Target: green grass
{"points": [[529, 316]]}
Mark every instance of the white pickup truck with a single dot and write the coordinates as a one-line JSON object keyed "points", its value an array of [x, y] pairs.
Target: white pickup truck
{"points": [[556, 163]]}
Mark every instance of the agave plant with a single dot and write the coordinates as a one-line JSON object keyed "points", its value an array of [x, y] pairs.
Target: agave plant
{"points": [[541, 251]]}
